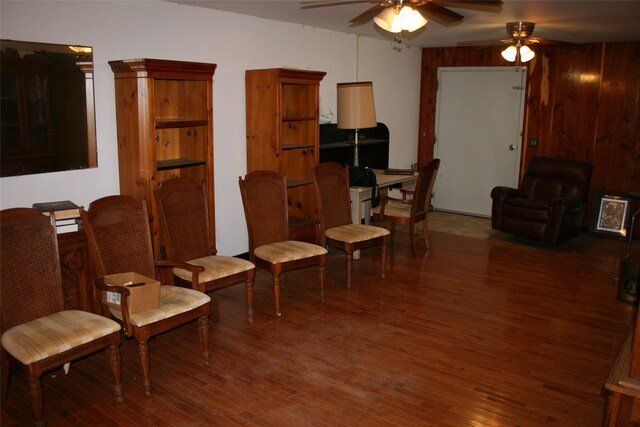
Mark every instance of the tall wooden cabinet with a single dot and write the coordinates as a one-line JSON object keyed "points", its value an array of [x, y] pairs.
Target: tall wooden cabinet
{"points": [[164, 112], [283, 136]]}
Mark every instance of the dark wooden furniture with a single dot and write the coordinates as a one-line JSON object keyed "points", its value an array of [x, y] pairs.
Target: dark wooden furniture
{"points": [[38, 334], [117, 230], [336, 145], [549, 204], [164, 113], [264, 196], [331, 185], [182, 205], [283, 136], [413, 211]]}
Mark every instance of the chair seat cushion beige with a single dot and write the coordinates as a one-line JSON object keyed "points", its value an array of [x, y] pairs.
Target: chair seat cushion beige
{"points": [[54, 334], [173, 300], [394, 208], [215, 267], [351, 233], [288, 250]]}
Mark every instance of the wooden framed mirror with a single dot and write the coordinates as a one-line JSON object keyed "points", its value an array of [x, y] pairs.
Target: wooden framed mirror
{"points": [[47, 108]]}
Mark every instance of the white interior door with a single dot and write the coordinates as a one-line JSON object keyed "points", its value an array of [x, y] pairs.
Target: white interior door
{"points": [[479, 113]]}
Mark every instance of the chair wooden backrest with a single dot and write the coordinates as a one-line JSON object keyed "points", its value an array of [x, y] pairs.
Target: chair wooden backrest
{"points": [[264, 196], [182, 206], [30, 277], [332, 194], [119, 237], [424, 188]]}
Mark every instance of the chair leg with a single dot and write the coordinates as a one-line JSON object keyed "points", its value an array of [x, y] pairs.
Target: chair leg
{"points": [[37, 400], [276, 292], [425, 231], [412, 238], [203, 326], [349, 265], [322, 266], [384, 261], [143, 351], [249, 288], [6, 373], [115, 360]]}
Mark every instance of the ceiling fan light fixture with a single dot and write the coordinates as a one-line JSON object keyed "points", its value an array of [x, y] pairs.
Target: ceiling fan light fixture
{"points": [[510, 53], [526, 54], [394, 21]]}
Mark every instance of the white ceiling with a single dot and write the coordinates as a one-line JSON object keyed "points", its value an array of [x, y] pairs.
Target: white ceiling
{"points": [[569, 20]]}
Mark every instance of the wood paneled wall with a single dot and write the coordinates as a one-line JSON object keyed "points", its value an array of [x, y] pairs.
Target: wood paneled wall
{"points": [[582, 104]]}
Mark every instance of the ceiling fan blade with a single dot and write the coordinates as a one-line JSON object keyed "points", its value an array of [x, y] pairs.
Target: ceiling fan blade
{"points": [[554, 43], [367, 15], [485, 43], [437, 12], [472, 4], [320, 3]]}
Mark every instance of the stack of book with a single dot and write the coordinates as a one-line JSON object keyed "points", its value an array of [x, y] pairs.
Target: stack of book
{"points": [[67, 214]]}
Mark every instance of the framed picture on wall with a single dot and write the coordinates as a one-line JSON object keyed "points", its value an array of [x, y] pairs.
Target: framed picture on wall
{"points": [[611, 215]]}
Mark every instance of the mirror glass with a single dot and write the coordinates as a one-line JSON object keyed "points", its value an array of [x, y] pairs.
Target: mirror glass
{"points": [[47, 109]]}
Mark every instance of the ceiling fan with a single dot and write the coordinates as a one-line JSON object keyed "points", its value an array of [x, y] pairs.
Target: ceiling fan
{"points": [[519, 37], [399, 15]]}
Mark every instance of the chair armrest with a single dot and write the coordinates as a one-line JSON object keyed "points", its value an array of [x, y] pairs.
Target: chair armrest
{"points": [[570, 204], [166, 272], [504, 193], [124, 302]]}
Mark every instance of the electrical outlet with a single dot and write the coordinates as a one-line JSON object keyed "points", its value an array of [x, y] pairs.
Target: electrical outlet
{"points": [[534, 141]]}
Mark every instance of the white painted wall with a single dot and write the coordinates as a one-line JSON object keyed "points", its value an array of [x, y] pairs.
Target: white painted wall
{"points": [[157, 29]]}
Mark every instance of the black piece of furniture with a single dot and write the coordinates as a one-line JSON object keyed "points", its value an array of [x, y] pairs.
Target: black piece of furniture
{"points": [[337, 145], [549, 205]]}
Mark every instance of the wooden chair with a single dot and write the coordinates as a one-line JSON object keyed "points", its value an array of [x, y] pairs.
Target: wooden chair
{"points": [[264, 196], [182, 207], [119, 241], [331, 184], [38, 334], [417, 209]]}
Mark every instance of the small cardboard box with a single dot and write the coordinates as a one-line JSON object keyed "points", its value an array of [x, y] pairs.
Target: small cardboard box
{"points": [[145, 292]]}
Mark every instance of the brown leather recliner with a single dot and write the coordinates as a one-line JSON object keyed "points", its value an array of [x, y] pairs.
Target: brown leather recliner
{"points": [[550, 203]]}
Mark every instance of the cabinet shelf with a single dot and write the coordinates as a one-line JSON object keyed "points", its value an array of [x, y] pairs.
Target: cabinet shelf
{"points": [[293, 183], [296, 146], [164, 165], [179, 123], [298, 118]]}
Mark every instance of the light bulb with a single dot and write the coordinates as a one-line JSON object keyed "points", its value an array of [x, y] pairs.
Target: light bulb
{"points": [[526, 54], [510, 53]]}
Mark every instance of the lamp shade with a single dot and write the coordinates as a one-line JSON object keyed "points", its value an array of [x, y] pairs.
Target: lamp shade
{"points": [[356, 107], [526, 54], [510, 53], [395, 21]]}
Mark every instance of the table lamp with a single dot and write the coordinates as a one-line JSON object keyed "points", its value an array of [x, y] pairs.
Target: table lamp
{"points": [[356, 109]]}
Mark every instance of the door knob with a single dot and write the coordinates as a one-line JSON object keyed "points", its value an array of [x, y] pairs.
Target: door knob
{"points": [[512, 147]]}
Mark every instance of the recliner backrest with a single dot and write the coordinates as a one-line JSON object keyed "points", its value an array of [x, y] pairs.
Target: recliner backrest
{"points": [[550, 178]]}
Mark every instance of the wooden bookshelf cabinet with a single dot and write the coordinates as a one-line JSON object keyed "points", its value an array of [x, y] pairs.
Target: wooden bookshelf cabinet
{"points": [[164, 112], [283, 135]]}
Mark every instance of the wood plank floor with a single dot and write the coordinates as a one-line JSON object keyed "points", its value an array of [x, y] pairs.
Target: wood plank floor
{"points": [[475, 332]]}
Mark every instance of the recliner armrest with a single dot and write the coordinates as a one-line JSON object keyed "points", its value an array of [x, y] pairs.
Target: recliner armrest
{"points": [[506, 192], [571, 203]]}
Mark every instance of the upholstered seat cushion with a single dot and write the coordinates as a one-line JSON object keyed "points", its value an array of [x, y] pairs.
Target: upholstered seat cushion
{"points": [[352, 233], [394, 208], [215, 267], [56, 333], [173, 300], [288, 250]]}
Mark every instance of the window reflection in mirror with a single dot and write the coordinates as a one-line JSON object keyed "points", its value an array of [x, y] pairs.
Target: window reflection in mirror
{"points": [[47, 110]]}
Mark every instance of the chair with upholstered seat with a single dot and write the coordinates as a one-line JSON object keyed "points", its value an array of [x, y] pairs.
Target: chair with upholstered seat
{"points": [[119, 240], [264, 196], [549, 204], [38, 334], [331, 184], [412, 211], [183, 212]]}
